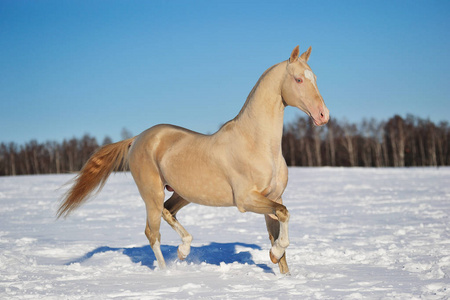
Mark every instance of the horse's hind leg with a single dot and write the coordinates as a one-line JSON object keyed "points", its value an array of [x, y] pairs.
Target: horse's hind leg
{"points": [[153, 195], [273, 227], [175, 203], [171, 207]]}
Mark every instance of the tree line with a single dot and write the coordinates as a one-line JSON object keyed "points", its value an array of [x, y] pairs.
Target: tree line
{"points": [[46, 158], [399, 142]]}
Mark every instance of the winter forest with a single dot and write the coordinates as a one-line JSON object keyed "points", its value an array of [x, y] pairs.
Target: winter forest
{"points": [[399, 142]]}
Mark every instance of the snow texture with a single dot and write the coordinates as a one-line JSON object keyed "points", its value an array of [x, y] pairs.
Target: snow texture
{"points": [[355, 234]]}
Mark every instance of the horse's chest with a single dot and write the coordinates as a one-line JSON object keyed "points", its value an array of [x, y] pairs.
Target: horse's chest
{"points": [[277, 182]]}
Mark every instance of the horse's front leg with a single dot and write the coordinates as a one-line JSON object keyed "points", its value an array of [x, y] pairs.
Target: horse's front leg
{"points": [[282, 242], [273, 227], [255, 202]]}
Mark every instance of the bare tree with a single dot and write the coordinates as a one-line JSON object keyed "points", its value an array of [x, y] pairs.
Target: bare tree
{"points": [[107, 140], [12, 158], [331, 143], [349, 144], [125, 134]]}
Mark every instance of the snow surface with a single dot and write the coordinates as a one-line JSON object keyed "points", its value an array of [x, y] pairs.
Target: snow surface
{"points": [[355, 234]]}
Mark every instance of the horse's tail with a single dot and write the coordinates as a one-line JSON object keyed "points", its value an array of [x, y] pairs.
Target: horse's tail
{"points": [[94, 174]]}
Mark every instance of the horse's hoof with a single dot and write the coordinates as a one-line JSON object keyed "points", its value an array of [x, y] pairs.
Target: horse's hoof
{"points": [[273, 258], [180, 255], [284, 269]]}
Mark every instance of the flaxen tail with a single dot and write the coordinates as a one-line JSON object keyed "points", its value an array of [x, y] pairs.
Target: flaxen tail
{"points": [[94, 174]]}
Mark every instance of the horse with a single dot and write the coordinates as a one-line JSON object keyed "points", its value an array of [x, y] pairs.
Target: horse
{"points": [[240, 165]]}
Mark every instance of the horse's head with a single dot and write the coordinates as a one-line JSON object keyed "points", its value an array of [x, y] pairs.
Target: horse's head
{"points": [[299, 88]]}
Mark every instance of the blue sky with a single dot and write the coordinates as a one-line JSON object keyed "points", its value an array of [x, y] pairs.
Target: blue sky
{"points": [[73, 67]]}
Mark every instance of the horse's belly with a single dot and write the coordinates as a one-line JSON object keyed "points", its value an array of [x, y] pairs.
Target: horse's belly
{"points": [[215, 198], [208, 194], [202, 186]]}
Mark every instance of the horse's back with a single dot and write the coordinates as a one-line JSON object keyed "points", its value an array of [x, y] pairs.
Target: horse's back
{"points": [[161, 137]]}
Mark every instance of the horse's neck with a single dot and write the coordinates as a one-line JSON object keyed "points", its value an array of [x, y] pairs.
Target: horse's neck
{"points": [[261, 117]]}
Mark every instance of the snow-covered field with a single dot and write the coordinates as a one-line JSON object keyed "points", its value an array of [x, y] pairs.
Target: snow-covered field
{"points": [[355, 234]]}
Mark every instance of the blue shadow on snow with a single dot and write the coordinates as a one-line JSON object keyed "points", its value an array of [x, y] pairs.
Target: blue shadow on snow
{"points": [[214, 253]]}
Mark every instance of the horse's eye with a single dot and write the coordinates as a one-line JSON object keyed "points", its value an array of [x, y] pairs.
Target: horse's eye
{"points": [[299, 80]]}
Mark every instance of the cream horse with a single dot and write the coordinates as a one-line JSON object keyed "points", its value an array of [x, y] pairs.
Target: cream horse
{"points": [[240, 165]]}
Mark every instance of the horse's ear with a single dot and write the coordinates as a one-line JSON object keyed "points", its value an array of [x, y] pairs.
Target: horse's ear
{"points": [[294, 54], [305, 56]]}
